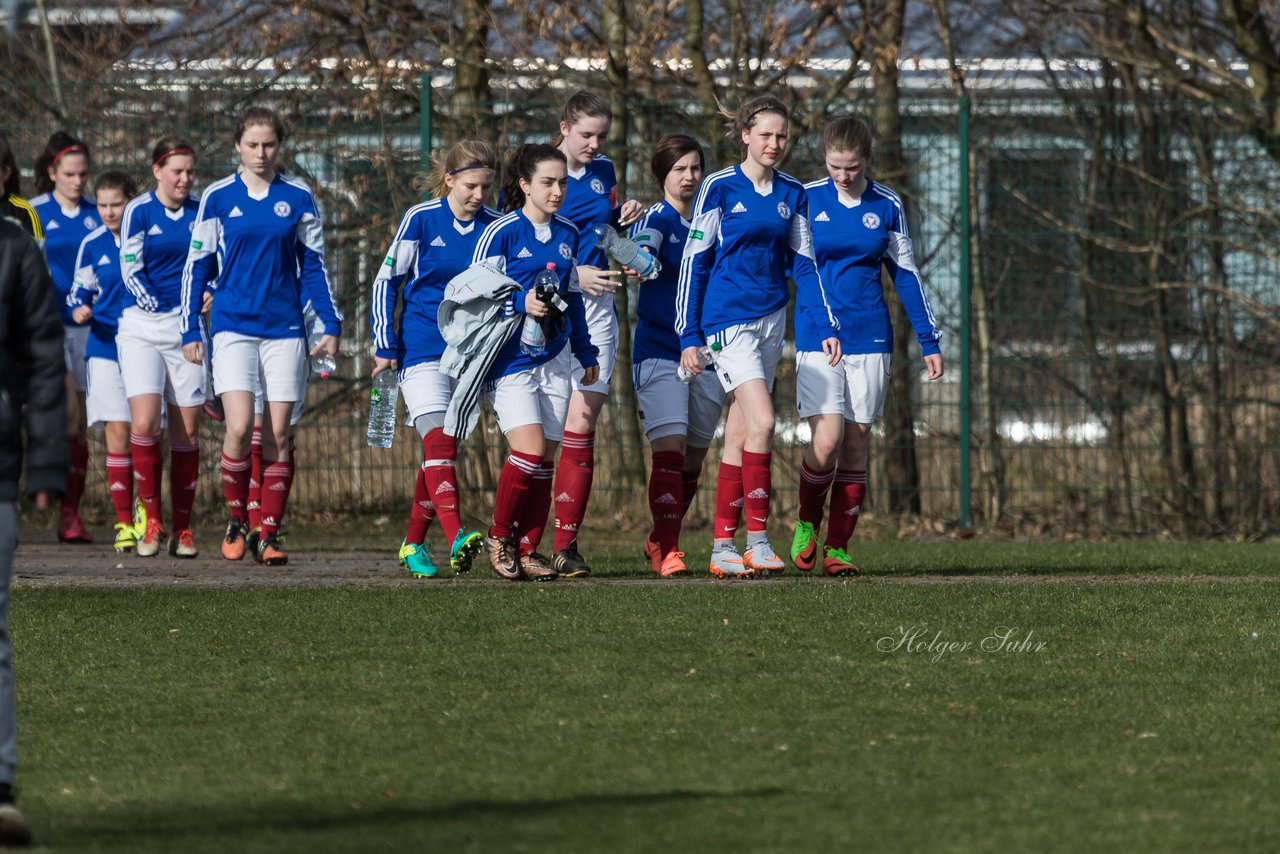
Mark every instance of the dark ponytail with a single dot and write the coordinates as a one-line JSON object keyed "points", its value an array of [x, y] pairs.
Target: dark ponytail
{"points": [[58, 146], [523, 164]]}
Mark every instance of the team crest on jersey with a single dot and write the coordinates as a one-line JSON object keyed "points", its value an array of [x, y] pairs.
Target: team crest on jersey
{"points": [[90, 222], [870, 220], [282, 209], [597, 186], [565, 252], [784, 211]]}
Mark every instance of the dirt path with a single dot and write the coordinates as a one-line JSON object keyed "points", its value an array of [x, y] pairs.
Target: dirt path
{"points": [[53, 565]]}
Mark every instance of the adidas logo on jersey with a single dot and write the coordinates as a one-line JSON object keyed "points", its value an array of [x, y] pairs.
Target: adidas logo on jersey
{"points": [[439, 241], [445, 487], [155, 229], [739, 208], [235, 212], [822, 217], [666, 498], [758, 493], [53, 224], [524, 253], [564, 496], [104, 261]]}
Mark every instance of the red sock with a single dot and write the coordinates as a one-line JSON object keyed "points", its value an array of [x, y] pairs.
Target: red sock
{"points": [[573, 485], [184, 473], [148, 466], [666, 499], [120, 481], [423, 509], [531, 521], [757, 486], [846, 503], [235, 484], [275, 493], [76, 474], [440, 451], [513, 483], [254, 505], [814, 486], [729, 501], [689, 487], [292, 458]]}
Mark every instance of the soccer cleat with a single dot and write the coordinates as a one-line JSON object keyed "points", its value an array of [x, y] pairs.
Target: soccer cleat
{"points": [[503, 557], [804, 546], [71, 529], [727, 563], [126, 538], [233, 545], [464, 550], [673, 564], [653, 552], [762, 558], [837, 562], [536, 567], [417, 560], [270, 550], [253, 539], [15, 831], [183, 545], [149, 544], [569, 562]]}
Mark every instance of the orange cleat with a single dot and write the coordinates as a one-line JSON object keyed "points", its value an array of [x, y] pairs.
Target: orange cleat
{"points": [[233, 547]]}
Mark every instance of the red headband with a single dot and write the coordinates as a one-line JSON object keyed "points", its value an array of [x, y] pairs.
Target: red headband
{"points": [[70, 149], [163, 157]]}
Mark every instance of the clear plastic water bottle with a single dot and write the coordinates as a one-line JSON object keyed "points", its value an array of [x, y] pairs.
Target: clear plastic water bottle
{"points": [[382, 409], [626, 252], [324, 365], [706, 356], [533, 338]]}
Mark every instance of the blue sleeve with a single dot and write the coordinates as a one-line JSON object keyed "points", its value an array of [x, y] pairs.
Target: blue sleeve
{"points": [[316, 289], [811, 296], [900, 261], [401, 258], [201, 267], [695, 269], [133, 265]]}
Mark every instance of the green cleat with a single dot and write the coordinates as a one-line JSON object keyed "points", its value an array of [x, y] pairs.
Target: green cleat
{"points": [[804, 547], [464, 549], [126, 538], [417, 560]]}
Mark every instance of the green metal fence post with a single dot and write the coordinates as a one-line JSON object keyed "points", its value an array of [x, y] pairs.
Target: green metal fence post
{"points": [[424, 120], [966, 316]]}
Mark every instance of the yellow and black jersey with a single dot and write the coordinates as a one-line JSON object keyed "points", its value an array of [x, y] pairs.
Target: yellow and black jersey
{"points": [[17, 209]]}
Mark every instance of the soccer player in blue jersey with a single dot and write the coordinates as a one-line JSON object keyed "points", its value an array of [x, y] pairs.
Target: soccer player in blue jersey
{"points": [[749, 233], [157, 231], [259, 233], [97, 297], [859, 227], [530, 394], [679, 418], [67, 215], [435, 241], [591, 198]]}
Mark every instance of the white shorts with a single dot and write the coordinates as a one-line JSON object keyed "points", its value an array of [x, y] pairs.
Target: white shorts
{"points": [[151, 358], [246, 363], [73, 344], [669, 407], [750, 351], [539, 396], [106, 399], [855, 388], [602, 324], [426, 390]]}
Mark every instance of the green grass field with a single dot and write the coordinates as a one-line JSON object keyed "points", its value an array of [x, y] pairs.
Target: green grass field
{"points": [[695, 717]]}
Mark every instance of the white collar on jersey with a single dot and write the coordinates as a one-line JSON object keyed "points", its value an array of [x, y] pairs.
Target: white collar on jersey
{"points": [[847, 200]]}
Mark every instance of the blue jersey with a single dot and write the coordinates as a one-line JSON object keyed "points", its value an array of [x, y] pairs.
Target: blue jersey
{"points": [[154, 242], [852, 238], [98, 284], [523, 250], [591, 198], [430, 248], [63, 234], [742, 246], [267, 253], [664, 231]]}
